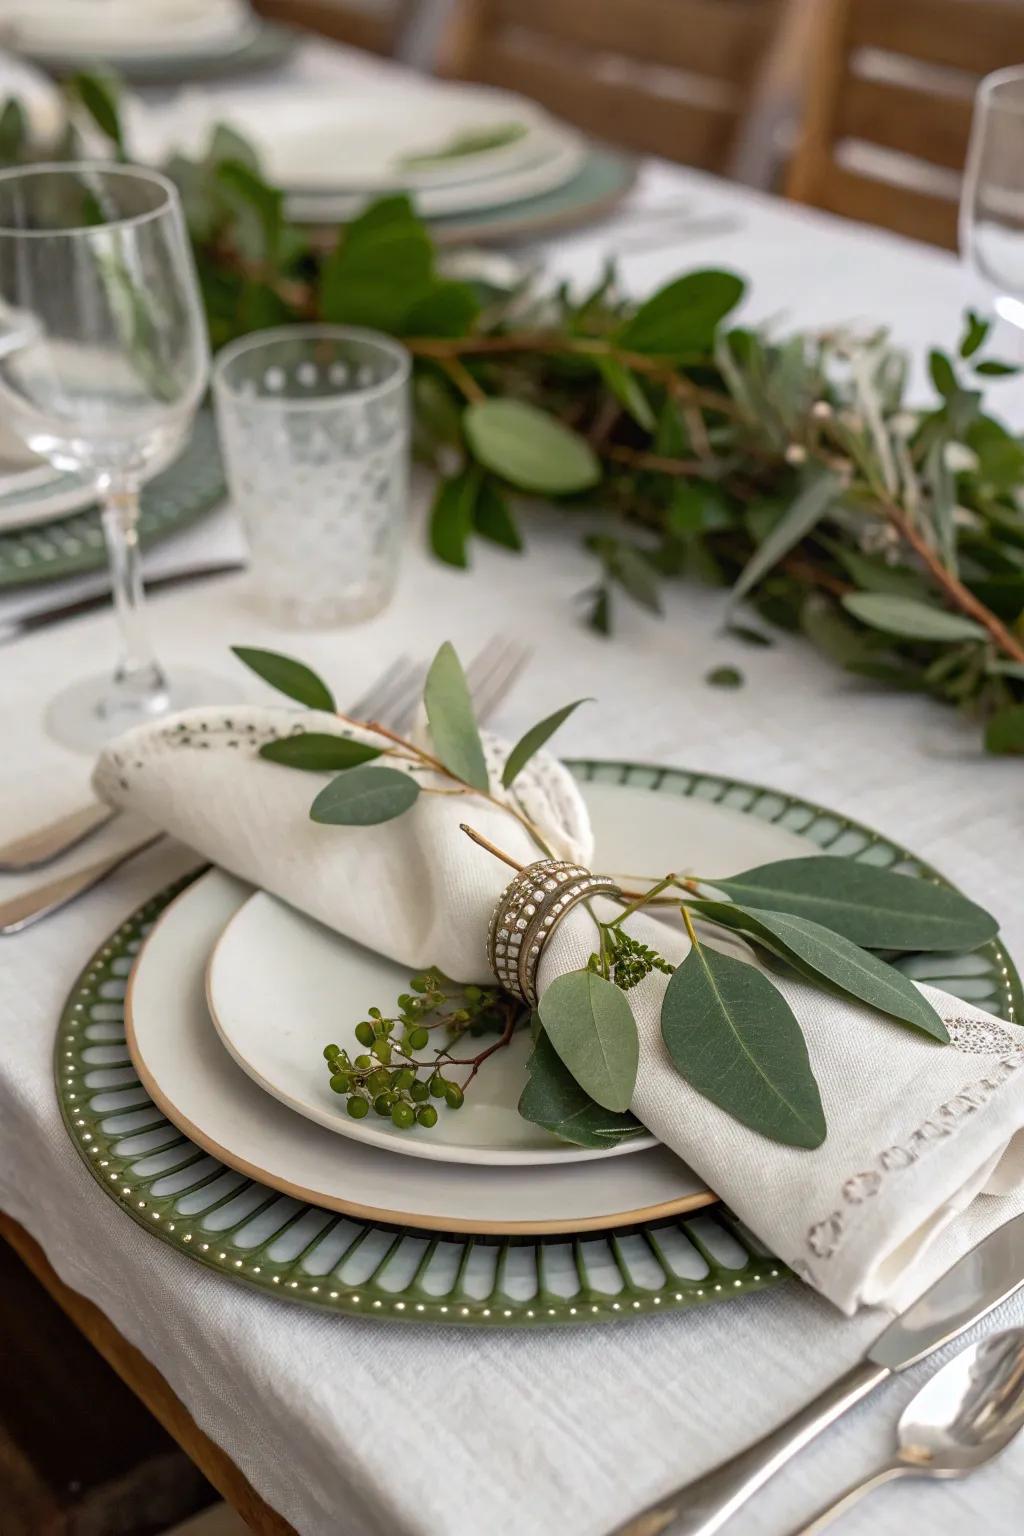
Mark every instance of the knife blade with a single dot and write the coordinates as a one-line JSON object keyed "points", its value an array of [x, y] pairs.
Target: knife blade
{"points": [[99, 596], [989, 1274]]}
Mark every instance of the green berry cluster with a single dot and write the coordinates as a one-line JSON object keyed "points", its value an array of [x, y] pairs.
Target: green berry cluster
{"points": [[387, 1077], [630, 961]]}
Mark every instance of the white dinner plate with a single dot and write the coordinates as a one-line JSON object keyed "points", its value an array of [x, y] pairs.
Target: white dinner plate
{"points": [[280, 987], [194, 1081]]}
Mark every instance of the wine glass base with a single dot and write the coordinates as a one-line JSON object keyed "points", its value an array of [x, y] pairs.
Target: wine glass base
{"points": [[87, 714]]}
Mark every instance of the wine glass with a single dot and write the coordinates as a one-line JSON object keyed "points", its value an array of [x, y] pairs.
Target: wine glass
{"points": [[992, 200], [103, 360]]}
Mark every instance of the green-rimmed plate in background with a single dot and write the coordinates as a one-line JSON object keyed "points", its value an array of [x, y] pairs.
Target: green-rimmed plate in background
{"points": [[69, 546]]}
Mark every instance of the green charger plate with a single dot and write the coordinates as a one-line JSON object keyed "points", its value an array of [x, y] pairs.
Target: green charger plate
{"points": [[69, 546], [269, 1242]]}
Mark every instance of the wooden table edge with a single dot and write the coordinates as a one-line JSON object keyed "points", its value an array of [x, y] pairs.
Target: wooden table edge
{"points": [[149, 1386]]}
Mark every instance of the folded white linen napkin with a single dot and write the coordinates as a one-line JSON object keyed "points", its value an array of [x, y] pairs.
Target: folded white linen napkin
{"points": [[917, 1132]]}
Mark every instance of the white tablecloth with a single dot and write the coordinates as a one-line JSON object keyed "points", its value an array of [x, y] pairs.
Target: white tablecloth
{"points": [[352, 1428]]}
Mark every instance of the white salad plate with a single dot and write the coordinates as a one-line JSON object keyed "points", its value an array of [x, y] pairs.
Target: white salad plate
{"points": [[280, 987], [191, 1078]]}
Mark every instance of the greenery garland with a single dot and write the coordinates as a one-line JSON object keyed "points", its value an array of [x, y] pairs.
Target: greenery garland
{"points": [[790, 469]]}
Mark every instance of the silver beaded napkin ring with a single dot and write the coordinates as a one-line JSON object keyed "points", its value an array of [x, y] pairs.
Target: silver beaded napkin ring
{"points": [[528, 911]]}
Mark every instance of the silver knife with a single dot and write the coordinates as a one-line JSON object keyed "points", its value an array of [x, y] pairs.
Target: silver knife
{"points": [[20, 912], [988, 1275]]}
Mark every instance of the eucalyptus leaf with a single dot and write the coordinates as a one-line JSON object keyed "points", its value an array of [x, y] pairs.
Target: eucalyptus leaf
{"points": [[942, 486], [590, 1024], [814, 500], [447, 308], [975, 332], [724, 677], [820, 952], [287, 676], [873, 907], [992, 369], [684, 315], [364, 797], [13, 130], [942, 373], [98, 95], [383, 265], [554, 1099], [823, 622], [913, 620], [451, 516], [529, 448], [1004, 733], [733, 1037], [534, 739], [627, 390], [318, 752], [452, 722], [492, 518], [877, 575]]}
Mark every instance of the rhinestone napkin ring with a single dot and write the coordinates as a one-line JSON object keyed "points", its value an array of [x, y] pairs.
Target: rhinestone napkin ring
{"points": [[528, 911]]}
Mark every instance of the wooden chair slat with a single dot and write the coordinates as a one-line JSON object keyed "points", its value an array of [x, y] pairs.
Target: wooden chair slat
{"points": [[719, 38], [972, 35], [920, 215], [638, 119], [921, 114], [929, 127], [665, 77]]}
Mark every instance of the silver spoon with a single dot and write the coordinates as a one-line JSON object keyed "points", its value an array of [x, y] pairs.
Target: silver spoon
{"points": [[966, 1414]]}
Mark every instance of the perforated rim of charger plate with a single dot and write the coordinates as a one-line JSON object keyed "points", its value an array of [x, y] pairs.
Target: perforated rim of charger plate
{"points": [[264, 1240]]}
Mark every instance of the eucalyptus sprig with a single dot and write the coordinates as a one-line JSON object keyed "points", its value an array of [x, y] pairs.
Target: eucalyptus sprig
{"points": [[791, 468], [728, 1029]]}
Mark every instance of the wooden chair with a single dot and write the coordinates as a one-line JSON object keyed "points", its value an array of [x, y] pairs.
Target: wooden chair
{"points": [[665, 77], [890, 88], [376, 27]]}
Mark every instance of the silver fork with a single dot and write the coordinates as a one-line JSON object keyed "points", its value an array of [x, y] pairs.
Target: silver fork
{"points": [[393, 699]]}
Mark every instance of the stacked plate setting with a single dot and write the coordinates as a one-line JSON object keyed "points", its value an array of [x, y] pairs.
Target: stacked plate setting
{"points": [[455, 149], [190, 1071]]}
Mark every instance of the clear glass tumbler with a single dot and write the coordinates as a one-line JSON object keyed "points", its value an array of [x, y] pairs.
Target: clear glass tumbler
{"points": [[314, 424]]}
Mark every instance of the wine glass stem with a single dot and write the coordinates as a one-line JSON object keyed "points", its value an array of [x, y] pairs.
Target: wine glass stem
{"points": [[139, 681]]}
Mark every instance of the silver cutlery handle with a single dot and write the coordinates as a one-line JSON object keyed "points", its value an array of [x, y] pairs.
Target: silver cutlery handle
{"points": [[34, 849], [854, 1494], [20, 912], [701, 1507]]}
